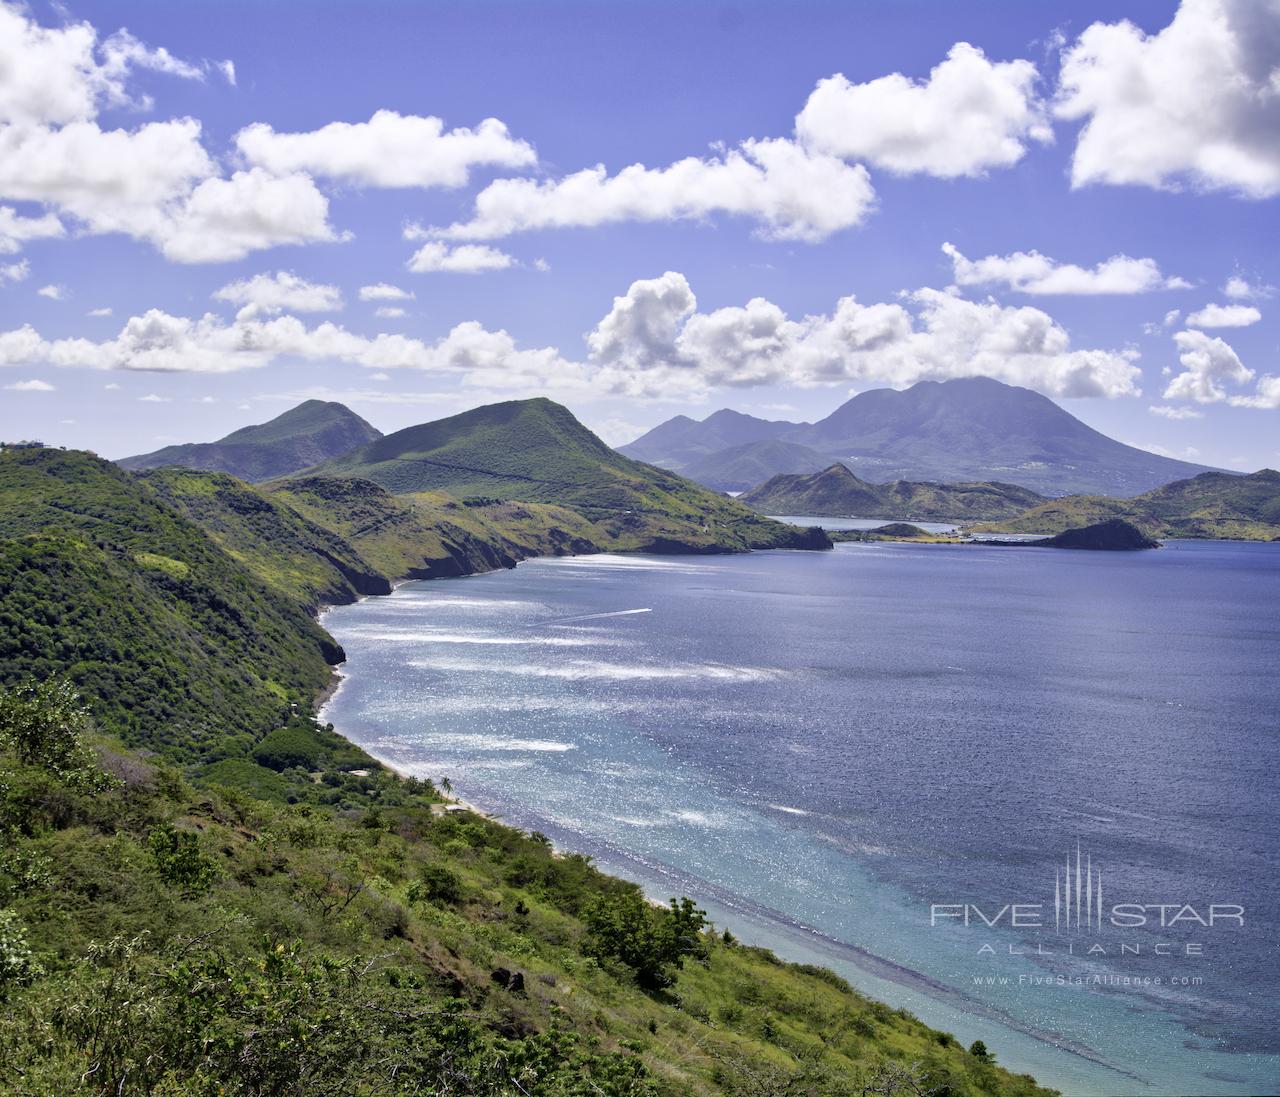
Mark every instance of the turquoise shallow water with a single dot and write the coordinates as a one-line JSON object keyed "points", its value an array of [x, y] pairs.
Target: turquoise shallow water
{"points": [[835, 752]]}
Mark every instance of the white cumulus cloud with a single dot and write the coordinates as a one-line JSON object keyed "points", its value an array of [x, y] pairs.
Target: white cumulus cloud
{"points": [[1241, 289], [271, 294], [460, 259], [155, 182], [57, 75], [16, 230], [1224, 316], [389, 150], [1266, 395], [790, 192], [161, 343], [1197, 103], [225, 219], [384, 291], [1168, 411], [655, 343], [1032, 273], [52, 292], [30, 386], [14, 272], [389, 312], [1208, 364], [969, 116]]}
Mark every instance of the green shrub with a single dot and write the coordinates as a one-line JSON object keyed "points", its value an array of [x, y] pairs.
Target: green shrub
{"points": [[177, 858], [436, 884], [245, 776], [650, 941], [289, 746], [43, 725], [17, 963], [979, 1051]]}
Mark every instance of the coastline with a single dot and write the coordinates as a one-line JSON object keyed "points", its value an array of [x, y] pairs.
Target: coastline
{"points": [[1018, 1045], [1022, 1049]]}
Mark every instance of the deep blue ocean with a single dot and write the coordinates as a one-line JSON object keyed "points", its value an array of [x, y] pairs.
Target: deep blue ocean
{"points": [[841, 754]]}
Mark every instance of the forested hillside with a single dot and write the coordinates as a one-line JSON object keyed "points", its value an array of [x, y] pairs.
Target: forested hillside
{"points": [[174, 645]]}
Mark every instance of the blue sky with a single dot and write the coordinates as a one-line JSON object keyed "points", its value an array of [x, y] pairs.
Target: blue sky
{"points": [[1140, 161]]}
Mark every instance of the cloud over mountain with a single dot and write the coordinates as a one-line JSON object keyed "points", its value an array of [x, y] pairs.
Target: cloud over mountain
{"points": [[653, 340]]}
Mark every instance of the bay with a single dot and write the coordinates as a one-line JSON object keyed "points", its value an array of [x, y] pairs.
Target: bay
{"points": [[835, 752]]}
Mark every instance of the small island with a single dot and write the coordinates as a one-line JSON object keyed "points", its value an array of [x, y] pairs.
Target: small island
{"points": [[894, 531], [1113, 535]]}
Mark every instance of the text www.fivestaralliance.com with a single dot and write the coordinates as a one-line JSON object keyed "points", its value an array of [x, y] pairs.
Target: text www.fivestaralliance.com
{"points": [[1086, 981]]}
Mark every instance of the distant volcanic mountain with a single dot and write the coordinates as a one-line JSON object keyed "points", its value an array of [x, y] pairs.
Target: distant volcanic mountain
{"points": [[314, 431], [969, 429]]}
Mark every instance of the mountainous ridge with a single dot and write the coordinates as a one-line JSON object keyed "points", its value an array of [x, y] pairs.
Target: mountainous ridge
{"points": [[314, 431], [536, 451], [966, 429], [836, 491], [681, 441]]}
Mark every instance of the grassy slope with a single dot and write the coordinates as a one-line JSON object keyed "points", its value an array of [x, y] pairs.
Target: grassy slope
{"points": [[837, 491], [173, 641], [295, 949], [282, 547], [430, 534], [327, 540], [535, 451], [1212, 504]]}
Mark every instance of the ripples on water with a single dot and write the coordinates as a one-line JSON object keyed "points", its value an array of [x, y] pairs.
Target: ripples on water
{"points": [[822, 745]]}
